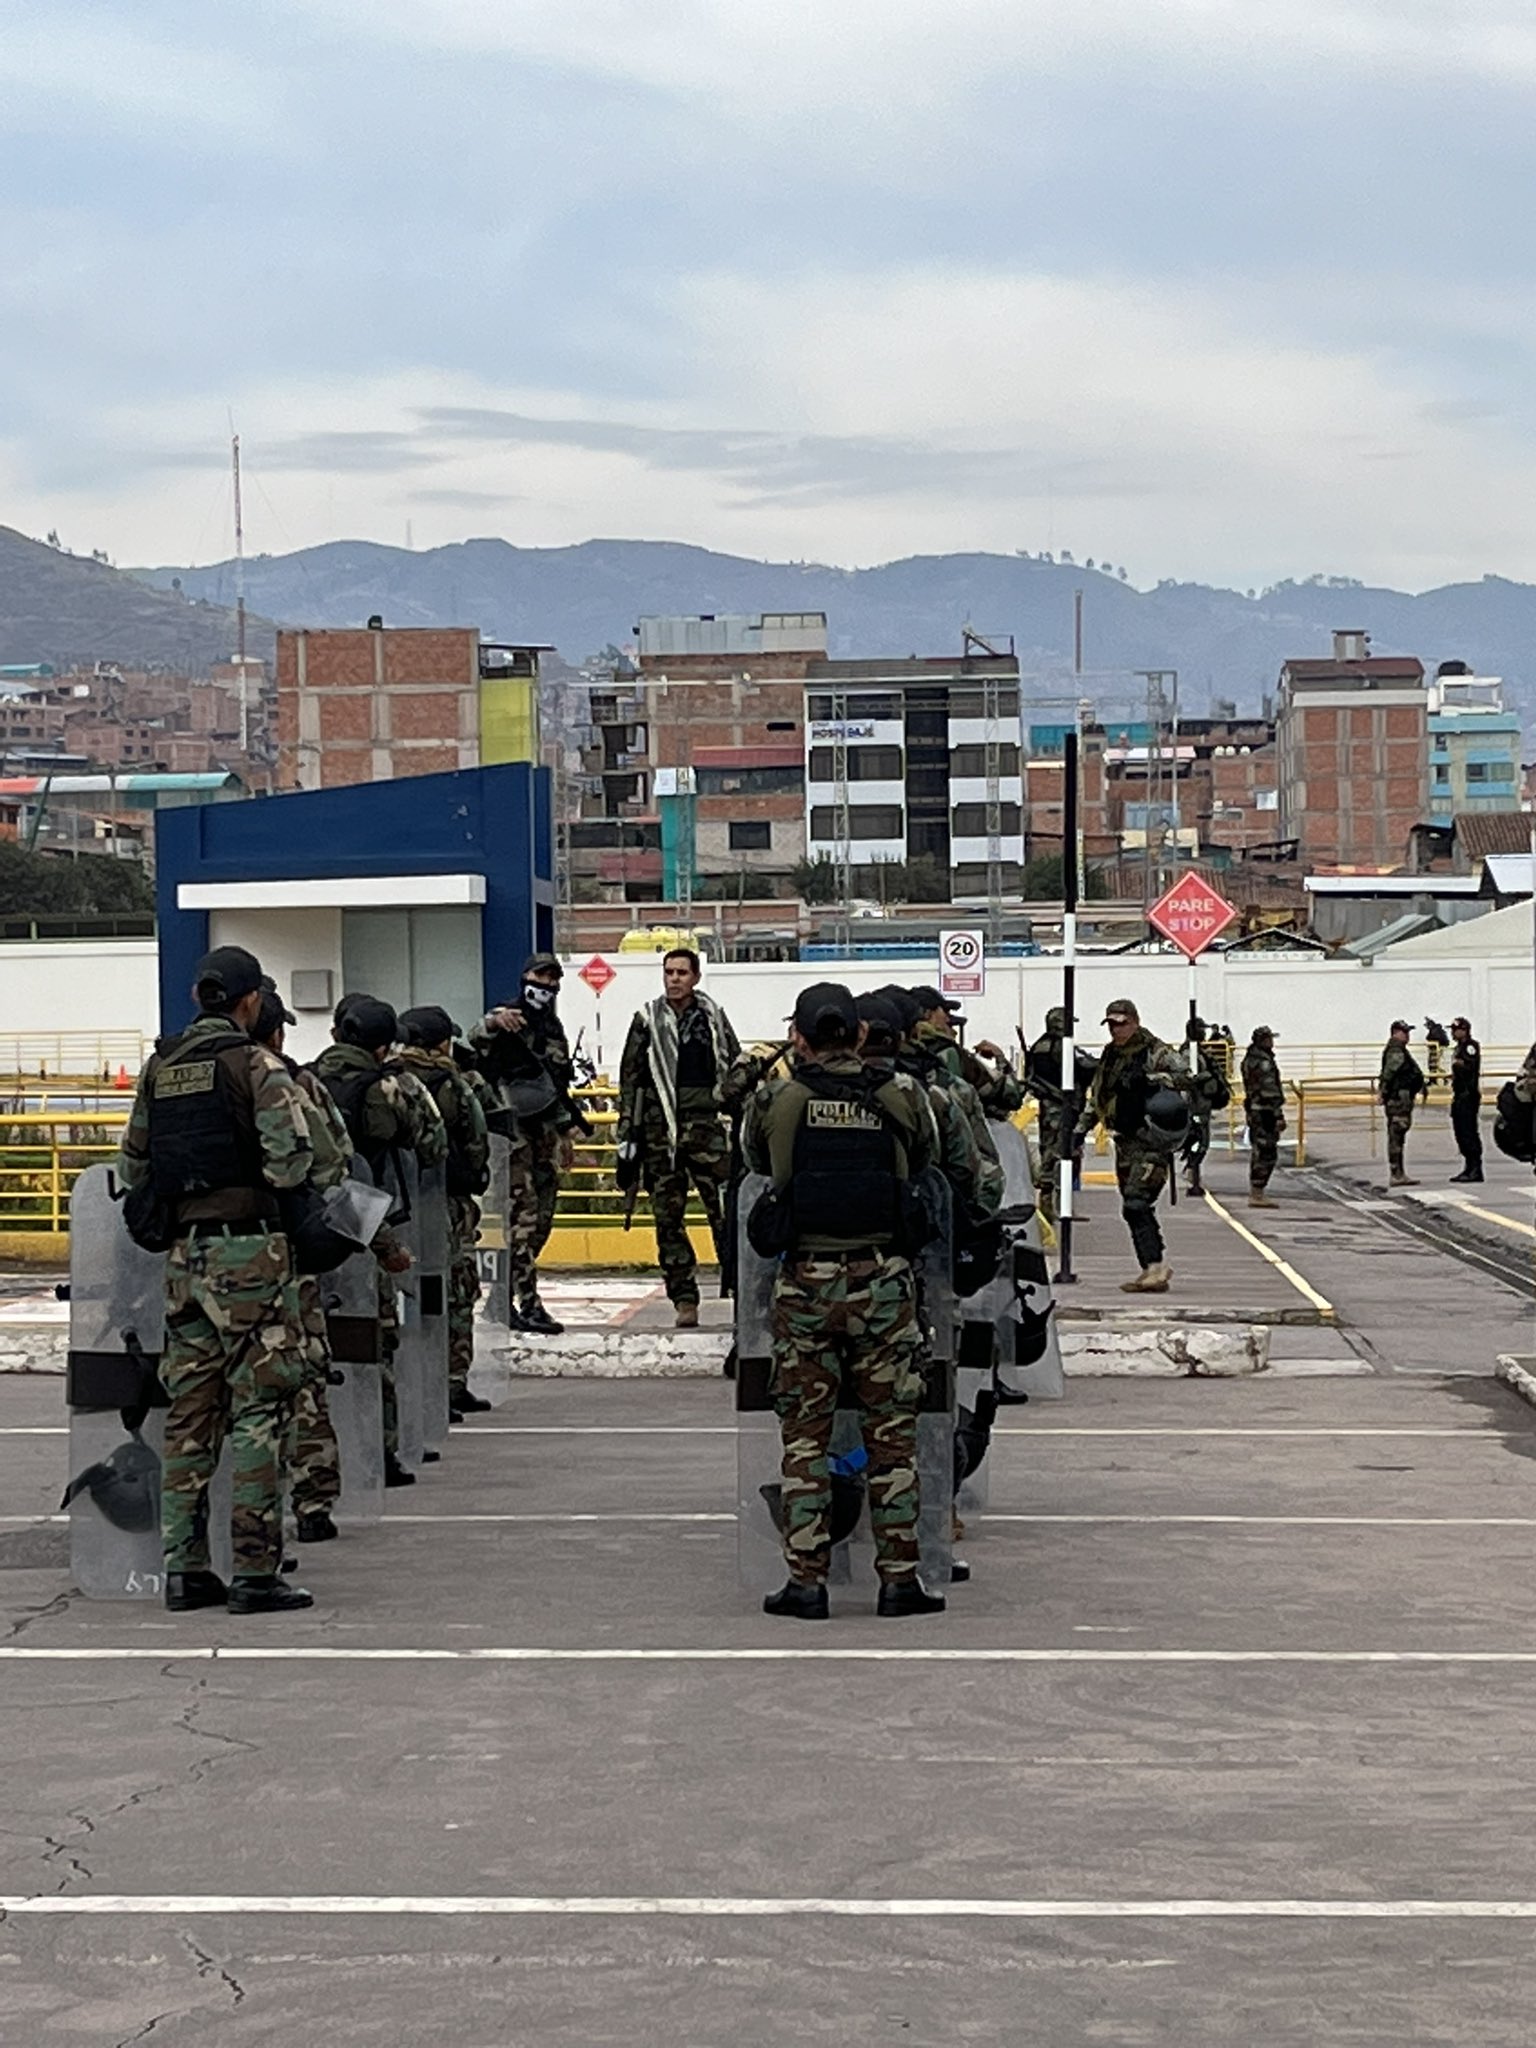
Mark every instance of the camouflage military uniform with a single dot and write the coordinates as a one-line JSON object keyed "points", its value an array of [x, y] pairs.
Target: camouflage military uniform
{"points": [[1264, 1108], [470, 1148], [396, 1112], [1399, 1087], [845, 1329], [696, 1146], [236, 1350], [999, 1091], [313, 1459], [1208, 1090], [536, 1156], [1141, 1171]]}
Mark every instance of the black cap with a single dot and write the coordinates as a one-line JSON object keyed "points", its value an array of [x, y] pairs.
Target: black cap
{"points": [[1466, 1022], [365, 1021], [929, 998], [883, 1021], [226, 974], [1402, 1024], [821, 1003], [544, 963], [428, 1024], [903, 1002]]}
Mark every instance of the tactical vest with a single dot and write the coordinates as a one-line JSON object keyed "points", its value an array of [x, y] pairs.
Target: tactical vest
{"points": [[204, 1151], [1128, 1111], [349, 1092], [848, 1166]]}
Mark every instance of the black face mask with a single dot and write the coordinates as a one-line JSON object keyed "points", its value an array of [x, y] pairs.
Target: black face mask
{"points": [[538, 998]]}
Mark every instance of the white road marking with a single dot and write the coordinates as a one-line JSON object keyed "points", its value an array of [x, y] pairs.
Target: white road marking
{"points": [[184, 1905], [1045, 1429], [52, 1429], [334, 1653], [386, 1519], [1283, 1267], [1292, 1521]]}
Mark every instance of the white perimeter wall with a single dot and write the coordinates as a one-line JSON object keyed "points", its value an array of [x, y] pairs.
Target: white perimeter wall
{"points": [[111, 986]]}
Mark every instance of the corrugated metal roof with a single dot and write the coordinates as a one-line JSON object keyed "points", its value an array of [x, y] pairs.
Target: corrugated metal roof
{"points": [[1510, 873]]}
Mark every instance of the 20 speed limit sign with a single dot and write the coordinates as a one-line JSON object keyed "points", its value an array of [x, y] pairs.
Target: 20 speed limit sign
{"points": [[962, 963]]}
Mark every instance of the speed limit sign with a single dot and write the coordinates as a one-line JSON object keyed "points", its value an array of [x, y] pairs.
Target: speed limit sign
{"points": [[962, 963]]}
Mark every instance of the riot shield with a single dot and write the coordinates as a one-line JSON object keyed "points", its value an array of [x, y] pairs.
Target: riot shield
{"points": [[349, 1296], [421, 1363], [759, 1448], [1029, 1351], [116, 1403], [495, 1268]]}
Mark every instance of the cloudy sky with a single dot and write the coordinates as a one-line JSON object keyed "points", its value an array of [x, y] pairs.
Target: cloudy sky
{"points": [[1229, 289]]}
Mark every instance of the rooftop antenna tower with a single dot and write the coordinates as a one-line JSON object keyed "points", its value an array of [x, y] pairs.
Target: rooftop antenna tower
{"points": [[245, 688]]}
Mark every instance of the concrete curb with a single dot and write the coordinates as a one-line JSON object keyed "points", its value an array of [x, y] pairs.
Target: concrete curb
{"points": [[38, 1347], [1515, 1372]]}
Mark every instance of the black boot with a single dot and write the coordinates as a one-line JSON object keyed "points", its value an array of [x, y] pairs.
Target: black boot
{"points": [[465, 1403], [185, 1591], [959, 1572], [534, 1316], [395, 1473], [431, 1457], [906, 1596], [799, 1603], [316, 1526], [266, 1596]]}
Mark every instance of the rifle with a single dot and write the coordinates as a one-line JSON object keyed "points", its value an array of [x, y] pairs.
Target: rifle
{"points": [[628, 1171]]}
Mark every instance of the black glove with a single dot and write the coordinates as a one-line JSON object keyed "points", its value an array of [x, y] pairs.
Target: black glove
{"points": [[627, 1168]]}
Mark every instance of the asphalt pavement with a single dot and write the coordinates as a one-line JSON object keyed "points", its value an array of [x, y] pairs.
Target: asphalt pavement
{"points": [[1225, 1743]]}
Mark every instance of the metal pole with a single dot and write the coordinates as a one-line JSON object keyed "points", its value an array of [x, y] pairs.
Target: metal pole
{"points": [[1064, 1274]]}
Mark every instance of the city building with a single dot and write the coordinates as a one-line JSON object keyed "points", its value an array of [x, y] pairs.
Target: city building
{"points": [[1353, 739], [1474, 744], [376, 703]]}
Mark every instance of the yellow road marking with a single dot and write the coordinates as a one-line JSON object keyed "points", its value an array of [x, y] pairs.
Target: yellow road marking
{"points": [[1324, 1307], [1493, 1216]]}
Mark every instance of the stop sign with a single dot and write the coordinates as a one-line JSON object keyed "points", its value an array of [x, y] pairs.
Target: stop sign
{"points": [[597, 974], [1191, 913]]}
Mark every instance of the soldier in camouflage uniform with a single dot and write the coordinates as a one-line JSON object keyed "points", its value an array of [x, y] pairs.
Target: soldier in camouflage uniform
{"points": [[680, 1068], [386, 1110], [1133, 1066], [1042, 1068], [1400, 1086], [428, 1054], [839, 1142], [526, 1059], [1264, 1108], [998, 1089], [218, 1129]]}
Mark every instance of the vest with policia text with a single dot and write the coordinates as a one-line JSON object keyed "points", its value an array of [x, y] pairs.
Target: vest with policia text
{"points": [[850, 1167], [204, 1151]]}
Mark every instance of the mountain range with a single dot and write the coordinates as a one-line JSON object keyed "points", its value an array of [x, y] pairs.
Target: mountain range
{"points": [[1223, 643]]}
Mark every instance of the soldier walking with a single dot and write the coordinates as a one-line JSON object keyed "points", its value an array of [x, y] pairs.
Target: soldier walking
{"points": [[428, 1054], [680, 1068], [1400, 1086], [1134, 1068], [526, 1058], [217, 1132], [1467, 1099], [840, 1143], [1264, 1109]]}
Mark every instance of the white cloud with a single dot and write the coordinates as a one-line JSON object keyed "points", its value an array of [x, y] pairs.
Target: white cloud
{"points": [[56, 71], [1146, 427]]}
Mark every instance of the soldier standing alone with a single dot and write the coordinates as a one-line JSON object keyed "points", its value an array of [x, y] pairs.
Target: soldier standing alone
{"points": [[218, 1130], [1467, 1099], [1264, 1108], [1133, 1068], [1400, 1086], [840, 1143]]}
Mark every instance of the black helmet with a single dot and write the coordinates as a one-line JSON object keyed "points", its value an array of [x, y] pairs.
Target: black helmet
{"points": [[1166, 1124], [125, 1486]]}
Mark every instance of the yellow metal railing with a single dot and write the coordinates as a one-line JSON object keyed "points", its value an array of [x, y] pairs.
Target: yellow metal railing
{"points": [[42, 1155], [97, 1057]]}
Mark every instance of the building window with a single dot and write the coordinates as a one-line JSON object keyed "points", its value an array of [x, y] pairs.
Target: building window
{"points": [[751, 835], [1442, 772], [1501, 771], [1477, 771], [865, 821], [818, 705], [865, 764], [971, 762], [1001, 701], [970, 821], [750, 781]]}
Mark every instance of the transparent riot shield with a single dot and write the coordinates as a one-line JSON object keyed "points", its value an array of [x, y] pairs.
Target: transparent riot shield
{"points": [[760, 1555], [495, 1268], [116, 1403], [421, 1363], [354, 1394]]}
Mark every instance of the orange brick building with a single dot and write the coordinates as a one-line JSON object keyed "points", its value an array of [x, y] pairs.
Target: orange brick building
{"points": [[1353, 737], [375, 703]]}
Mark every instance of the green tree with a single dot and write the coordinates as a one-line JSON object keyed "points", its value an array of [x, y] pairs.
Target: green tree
{"points": [[48, 885], [816, 880]]}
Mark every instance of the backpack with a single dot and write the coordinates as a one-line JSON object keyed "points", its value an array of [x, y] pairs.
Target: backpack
{"points": [[1514, 1125]]}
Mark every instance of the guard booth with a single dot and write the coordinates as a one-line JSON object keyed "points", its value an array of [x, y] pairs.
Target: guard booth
{"points": [[431, 889], [759, 1456]]}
